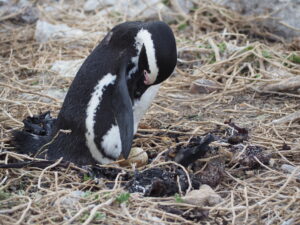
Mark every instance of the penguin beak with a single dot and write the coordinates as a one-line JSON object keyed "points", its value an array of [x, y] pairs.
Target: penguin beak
{"points": [[147, 79]]}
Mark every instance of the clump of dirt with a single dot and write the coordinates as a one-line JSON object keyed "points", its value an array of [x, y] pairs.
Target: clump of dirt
{"points": [[195, 214], [155, 182], [251, 155], [213, 172]]}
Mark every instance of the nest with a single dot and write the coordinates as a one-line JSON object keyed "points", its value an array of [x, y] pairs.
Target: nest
{"points": [[247, 65]]}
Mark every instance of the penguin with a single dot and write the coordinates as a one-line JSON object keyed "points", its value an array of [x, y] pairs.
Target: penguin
{"points": [[107, 98]]}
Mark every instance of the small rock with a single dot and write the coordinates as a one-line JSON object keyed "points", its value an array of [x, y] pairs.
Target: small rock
{"points": [[185, 5], [58, 94], [137, 156], [231, 48], [46, 31], [72, 198], [283, 19], [288, 222], [67, 68], [54, 93], [205, 196], [22, 11], [277, 72], [203, 86], [138, 9], [290, 169], [272, 162], [92, 5]]}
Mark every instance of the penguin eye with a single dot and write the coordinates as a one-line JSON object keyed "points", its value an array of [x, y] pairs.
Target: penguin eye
{"points": [[137, 94]]}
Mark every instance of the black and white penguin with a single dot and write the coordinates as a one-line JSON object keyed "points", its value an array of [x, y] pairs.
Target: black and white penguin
{"points": [[108, 96]]}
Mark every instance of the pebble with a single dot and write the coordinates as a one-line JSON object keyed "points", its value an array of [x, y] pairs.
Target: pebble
{"points": [[205, 196], [137, 156], [203, 86]]}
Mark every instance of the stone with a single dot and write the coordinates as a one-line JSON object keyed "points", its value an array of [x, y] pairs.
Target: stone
{"points": [[204, 196], [184, 6], [46, 31], [67, 68], [92, 5], [22, 10], [58, 94], [284, 14], [145, 10], [71, 199], [290, 169], [203, 86]]}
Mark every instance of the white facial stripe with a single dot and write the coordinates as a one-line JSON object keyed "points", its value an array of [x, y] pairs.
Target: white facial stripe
{"points": [[111, 143], [140, 106], [144, 37], [91, 114]]}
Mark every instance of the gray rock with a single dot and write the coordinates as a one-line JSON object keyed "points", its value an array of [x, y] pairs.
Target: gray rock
{"points": [[3, 2], [72, 198], [54, 93], [92, 5], [143, 10], [289, 222], [22, 11], [182, 6], [284, 14], [290, 169], [67, 68], [203, 86], [45, 31]]}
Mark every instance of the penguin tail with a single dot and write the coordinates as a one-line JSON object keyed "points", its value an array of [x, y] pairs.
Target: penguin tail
{"points": [[36, 133]]}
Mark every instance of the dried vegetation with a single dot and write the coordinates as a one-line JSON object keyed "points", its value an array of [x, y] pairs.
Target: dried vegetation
{"points": [[246, 63]]}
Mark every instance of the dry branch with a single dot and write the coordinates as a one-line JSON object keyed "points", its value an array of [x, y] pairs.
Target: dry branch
{"points": [[288, 85]]}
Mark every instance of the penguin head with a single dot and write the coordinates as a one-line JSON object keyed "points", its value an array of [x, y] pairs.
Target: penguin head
{"points": [[157, 54]]}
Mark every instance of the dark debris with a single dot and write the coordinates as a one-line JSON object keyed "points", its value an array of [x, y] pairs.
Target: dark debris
{"points": [[196, 214], [213, 172], [237, 134], [196, 148], [160, 182], [248, 157]]}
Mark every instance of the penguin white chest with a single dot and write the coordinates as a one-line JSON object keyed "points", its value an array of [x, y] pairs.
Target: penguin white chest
{"points": [[140, 106], [111, 142]]}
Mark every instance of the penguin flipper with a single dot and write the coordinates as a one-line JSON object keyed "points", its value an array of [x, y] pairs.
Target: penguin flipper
{"points": [[122, 108]]}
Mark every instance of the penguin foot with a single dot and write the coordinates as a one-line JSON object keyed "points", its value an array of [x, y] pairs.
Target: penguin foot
{"points": [[39, 124], [36, 132]]}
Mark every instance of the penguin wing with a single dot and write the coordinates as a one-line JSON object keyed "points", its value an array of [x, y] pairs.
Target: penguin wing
{"points": [[122, 109]]}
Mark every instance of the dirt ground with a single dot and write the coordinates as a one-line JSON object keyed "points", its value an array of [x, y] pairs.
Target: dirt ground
{"points": [[214, 44]]}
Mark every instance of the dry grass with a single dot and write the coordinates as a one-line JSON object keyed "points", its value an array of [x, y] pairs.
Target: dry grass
{"points": [[205, 38]]}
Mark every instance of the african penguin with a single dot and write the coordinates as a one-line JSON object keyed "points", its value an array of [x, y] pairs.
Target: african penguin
{"points": [[108, 96]]}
